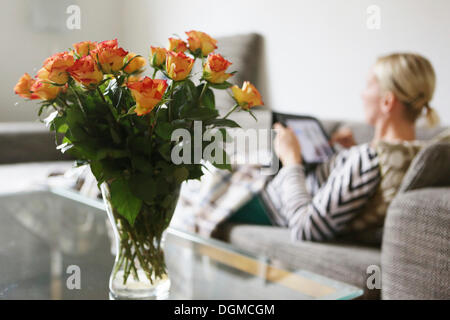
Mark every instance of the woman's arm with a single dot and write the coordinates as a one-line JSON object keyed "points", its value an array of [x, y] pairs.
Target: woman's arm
{"points": [[337, 201]]}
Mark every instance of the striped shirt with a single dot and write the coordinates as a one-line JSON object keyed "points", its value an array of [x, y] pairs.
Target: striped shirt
{"points": [[319, 205]]}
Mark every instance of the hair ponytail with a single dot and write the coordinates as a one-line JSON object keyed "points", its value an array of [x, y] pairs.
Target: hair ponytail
{"points": [[431, 116]]}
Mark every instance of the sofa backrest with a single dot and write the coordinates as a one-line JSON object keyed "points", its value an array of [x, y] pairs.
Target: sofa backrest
{"points": [[28, 142], [364, 133]]}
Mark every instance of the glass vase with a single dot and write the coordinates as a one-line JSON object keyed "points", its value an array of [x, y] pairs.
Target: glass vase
{"points": [[139, 270]]}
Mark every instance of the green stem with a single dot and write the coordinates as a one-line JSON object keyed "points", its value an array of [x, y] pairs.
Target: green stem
{"points": [[154, 73], [101, 94], [172, 86], [63, 102], [203, 92], [111, 108], [231, 111], [78, 99]]}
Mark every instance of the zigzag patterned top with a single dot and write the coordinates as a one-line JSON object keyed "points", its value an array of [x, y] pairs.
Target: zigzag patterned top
{"points": [[320, 205]]}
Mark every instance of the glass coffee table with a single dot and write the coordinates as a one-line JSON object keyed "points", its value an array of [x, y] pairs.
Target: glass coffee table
{"points": [[50, 236]]}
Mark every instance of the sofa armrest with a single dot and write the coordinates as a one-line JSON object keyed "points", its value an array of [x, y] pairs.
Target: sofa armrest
{"points": [[28, 142], [415, 258]]}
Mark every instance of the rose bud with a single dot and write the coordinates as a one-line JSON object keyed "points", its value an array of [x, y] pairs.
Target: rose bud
{"points": [[177, 45], [215, 67], [248, 96], [158, 56], [84, 48], [200, 40], [147, 93], [23, 87], [86, 71], [57, 66], [110, 44], [178, 65], [134, 64], [110, 59], [44, 90]]}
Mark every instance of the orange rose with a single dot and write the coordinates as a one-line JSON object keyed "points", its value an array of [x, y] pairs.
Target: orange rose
{"points": [[201, 41], [215, 67], [133, 78], [134, 64], [147, 93], [248, 96], [43, 74], [177, 45], [110, 44], [86, 71], [44, 90], [84, 48], [57, 66], [23, 87], [178, 65], [110, 59], [158, 56]]}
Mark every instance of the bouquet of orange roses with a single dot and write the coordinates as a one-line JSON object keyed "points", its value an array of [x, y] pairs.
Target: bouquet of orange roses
{"points": [[120, 124]]}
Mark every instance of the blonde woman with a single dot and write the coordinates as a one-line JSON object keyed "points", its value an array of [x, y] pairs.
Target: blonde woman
{"points": [[352, 190]]}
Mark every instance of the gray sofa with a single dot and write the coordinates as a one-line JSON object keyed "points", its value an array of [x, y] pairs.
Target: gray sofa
{"points": [[414, 255], [414, 250]]}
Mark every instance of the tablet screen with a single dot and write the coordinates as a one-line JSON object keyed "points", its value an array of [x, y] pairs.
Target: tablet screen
{"points": [[314, 143]]}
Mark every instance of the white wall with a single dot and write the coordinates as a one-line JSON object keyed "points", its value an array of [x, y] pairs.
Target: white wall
{"points": [[317, 52], [24, 48]]}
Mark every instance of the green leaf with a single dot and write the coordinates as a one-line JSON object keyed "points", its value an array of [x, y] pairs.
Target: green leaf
{"points": [[222, 86], [59, 125], [74, 120], [124, 201], [111, 153], [164, 130], [181, 123], [115, 135], [190, 90], [163, 115], [111, 170], [202, 114], [195, 171], [141, 163], [181, 174], [222, 123], [140, 144], [165, 150], [208, 99], [144, 187], [97, 171]]}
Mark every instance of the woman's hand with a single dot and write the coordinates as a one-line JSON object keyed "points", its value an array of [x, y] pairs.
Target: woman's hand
{"points": [[343, 136], [287, 147]]}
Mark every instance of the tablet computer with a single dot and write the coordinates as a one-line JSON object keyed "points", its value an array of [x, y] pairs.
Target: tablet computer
{"points": [[313, 139]]}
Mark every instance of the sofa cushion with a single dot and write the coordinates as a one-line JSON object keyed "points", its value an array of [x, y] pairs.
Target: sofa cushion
{"points": [[415, 252], [430, 168], [342, 262]]}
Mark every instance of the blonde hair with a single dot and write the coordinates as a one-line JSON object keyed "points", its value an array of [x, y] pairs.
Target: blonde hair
{"points": [[411, 78]]}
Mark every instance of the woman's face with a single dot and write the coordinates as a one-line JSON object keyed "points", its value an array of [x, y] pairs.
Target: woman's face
{"points": [[371, 97]]}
